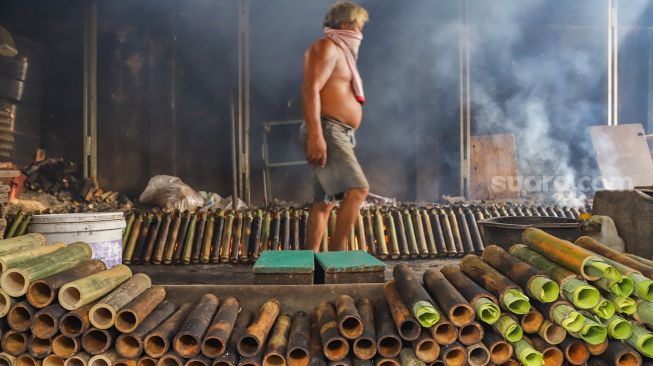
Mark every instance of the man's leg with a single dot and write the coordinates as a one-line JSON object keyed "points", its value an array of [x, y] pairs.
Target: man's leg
{"points": [[317, 221], [347, 216]]}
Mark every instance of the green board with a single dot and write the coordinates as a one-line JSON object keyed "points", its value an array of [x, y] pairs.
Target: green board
{"points": [[285, 261], [353, 261]]}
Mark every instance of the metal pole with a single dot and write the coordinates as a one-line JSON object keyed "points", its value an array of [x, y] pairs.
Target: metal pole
{"points": [[468, 134], [247, 81], [234, 156], [173, 91], [615, 108], [90, 90], [461, 108], [610, 62]]}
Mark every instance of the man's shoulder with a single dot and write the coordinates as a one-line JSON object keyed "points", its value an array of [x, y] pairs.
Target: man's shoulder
{"points": [[323, 46]]}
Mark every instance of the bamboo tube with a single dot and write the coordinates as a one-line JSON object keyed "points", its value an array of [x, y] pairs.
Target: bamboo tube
{"points": [[460, 313], [80, 359], [426, 349], [41, 293], [104, 359], [407, 326], [142, 240], [532, 321], [243, 256], [39, 347], [225, 242], [85, 290], [388, 343], [299, 344], [438, 234], [419, 233], [416, 297], [562, 314], [25, 257], [103, 314], [379, 361], [125, 362], [349, 320], [66, 347], [605, 309], [465, 233], [148, 250], [455, 229], [6, 303], [53, 360], [471, 333], [408, 358], [6, 359], [146, 361], [527, 354], [171, 241], [593, 245], [454, 354], [170, 359], [189, 240], [575, 351], [379, 234], [162, 237], [157, 342], [45, 322], [181, 237], [205, 252], [199, 239], [623, 305], [15, 281], [198, 361], [27, 360], [14, 343], [484, 303], [130, 345], [599, 348], [237, 236], [551, 355], [552, 333], [500, 350], [430, 237], [188, 340], [642, 340], [410, 234], [130, 245], [365, 346], [478, 355], [253, 340], [508, 328], [369, 230], [21, 243], [334, 346], [255, 238], [97, 341], [20, 316], [218, 333], [136, 311], [230, 356], [76, 322], [395, 253], [275, 352], [400, 230], [621, 354]]}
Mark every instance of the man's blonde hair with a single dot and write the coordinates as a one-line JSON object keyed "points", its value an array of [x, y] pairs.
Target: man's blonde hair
{"points": [[345, 12]]}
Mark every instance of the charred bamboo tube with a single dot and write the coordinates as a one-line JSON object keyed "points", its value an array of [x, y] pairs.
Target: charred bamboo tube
{"points": [[97, 341], [230, 356], [642, 340], [142, 239], [532, 321], [430, 237], [103, 314], [575, 351], [218, 333], [477, 239], [285, 245], [455, 230], [538, 285], [255, 360], [130, 345], [53, 360], [296, 225], [144, 361], [21, 243], [419, 233], [125, 362], [508, 292], [484, 304], [157, 342], [46, 321], [592, 245], [14, 343], [364, 347], [136, 311], [444, 332], [334, 346], [454, 354], [225, 243], [551, 355], [41, 293], [276, 229], [408, 327], [379, 361], [151, 240], [416, 297], [265, 234], [66, 347], [563, 314], [24, 257], [76, 322], [6, 303], [471, 333], [130, 245], [205, 252], [391, 230], [198, 361], [621, 354], [170, 359], [217, 237], [27, 360], [157, 256], [426, 349], [598, 349], [410, 234], [576, 291], [459, 312], [15, 281], [317, 358], [500, 350], [171, 239], [388, 343], [39, 347], [6, 359], [237, 235], [85, 290], [478, 355], [349, 320], [576, 259], [527, 354], [508, 328], [379, 234], [181, 237], [360, 233], [187, 252], [80, 359], [408, 357], [243, 257], [552, 333], [400, 229], [21, 316], [465, 233], [275, 352], [299, 344], [252, 341], [255, 239], [188, 340], [104, 359], [369, 230], [438, 234], [199, 239]]}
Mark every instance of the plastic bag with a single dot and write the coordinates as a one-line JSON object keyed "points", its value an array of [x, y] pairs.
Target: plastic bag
{"points": [[170, 192]]}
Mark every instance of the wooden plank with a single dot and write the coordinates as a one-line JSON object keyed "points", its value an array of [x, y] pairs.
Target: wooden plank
{"points": [[623, 153], [492, 156]]}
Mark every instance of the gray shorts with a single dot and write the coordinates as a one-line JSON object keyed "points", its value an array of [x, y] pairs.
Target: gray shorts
{"points": [[342, 171]]}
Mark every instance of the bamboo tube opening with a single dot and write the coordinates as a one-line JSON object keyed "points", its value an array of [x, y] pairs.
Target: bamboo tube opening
{"points": [[70, 297], [125, 362], [271, 360], [478, 356], [454, 357], [409, 330], [187, 343], [553, 357], [388, 363], [126, 321], [146, 361], [389, 346], [252, 363], [248, 345], [25, 360], [470, 334], [554, 334], [196, 362], [5, 303], [213, 346], [427, 350], [577, 353], [364, 348], [215, 363], [437, 363], [44, 324], [74, 361], [461, 314], [532, 322], [6, 360], [14, 282], [298, 357], [351, 327], [444, 333], [99, 361], [628, 359], [53, 360], [71, 323], [94, 341], [336, 349], [167, 360], [20, 318], [40, 345], [15, 342], [129, 346], [155, 345], [64, 346], [39, 294], [102, 315], [500, 352]]}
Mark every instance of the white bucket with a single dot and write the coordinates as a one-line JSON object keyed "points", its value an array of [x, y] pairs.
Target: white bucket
{"points": [[101, 230]]}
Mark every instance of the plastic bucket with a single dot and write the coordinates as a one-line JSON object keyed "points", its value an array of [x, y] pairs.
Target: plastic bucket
{"points": [[101, 230]]}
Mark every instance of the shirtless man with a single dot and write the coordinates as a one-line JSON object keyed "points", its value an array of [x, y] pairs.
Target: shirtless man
{"points": [[332, 94]]}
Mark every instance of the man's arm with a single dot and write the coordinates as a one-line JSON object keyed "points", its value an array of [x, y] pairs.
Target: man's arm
{"points": [[319, 63]]}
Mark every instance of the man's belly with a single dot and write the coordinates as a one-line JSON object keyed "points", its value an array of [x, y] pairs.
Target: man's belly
{"points": [[343, 108]]}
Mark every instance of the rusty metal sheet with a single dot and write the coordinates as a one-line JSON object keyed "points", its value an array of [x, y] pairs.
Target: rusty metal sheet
{"points": [[492, 156]]}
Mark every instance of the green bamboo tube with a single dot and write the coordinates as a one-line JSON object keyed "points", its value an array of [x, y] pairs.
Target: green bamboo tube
{"points": [[644, 312], [20, 243], [190, 240], [581, 294], [420, 234], [486, 310], [641, 260], [78, 293], [360, 229], [128, 227], [527, 354], [410, 234], [592, 332], [619, 328], [568, 318], [623, 288], [392, 236], [576, 259], [623, 305], [265, 232], [642, 340], [24, 257], [225, 241], [508, 328], [382, 247], [643, 286], [130, 246], [22, 228], [15, 281], [605, 309], [103, 314], [11, 232]]}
